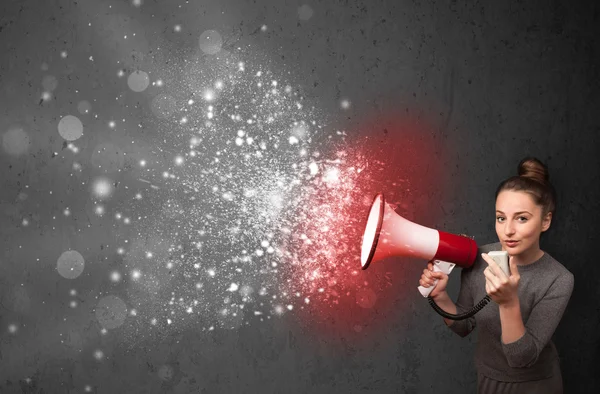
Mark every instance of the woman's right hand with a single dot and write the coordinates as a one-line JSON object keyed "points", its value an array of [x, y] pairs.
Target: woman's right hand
{"points": [[428, 278]]}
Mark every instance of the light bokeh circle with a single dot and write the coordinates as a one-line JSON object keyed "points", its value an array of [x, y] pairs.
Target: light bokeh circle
{"points": [[138, 81], [70, 264], [111, 312], [15, 141], [210, 42], [70, 128]]}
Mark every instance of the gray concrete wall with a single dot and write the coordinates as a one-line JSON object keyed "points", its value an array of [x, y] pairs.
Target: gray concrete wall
{"points": [[444, 98]]}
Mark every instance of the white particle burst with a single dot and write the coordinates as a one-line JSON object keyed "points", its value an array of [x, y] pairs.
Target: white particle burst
{"points": [[233, 287]]}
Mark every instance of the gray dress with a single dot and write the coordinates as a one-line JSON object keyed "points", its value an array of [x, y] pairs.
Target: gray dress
{"points": [[551, 385], [530, 364]]}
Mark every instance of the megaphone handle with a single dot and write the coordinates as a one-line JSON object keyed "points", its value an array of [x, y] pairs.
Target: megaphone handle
{"points": [[438, 266]]}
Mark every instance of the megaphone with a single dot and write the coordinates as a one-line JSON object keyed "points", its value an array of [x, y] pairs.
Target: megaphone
{"points": [[389, 234]]}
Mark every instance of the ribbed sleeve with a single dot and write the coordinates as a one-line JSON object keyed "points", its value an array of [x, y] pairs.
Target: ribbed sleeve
{"points": [[541, 324]]}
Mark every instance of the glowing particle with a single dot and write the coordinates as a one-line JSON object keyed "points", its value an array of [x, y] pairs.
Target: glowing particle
{"points": [[136, 274], [115, 276], [98, 355], [209, 95], [345, 104], [102, 188], [211, 273], [233, 287], [12, 328]]}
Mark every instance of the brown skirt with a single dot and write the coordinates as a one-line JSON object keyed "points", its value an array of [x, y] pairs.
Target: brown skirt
{"points": [[551, 385]]}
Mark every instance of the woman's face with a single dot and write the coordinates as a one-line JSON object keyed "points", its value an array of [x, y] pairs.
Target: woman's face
{"points": [[520, 220]]}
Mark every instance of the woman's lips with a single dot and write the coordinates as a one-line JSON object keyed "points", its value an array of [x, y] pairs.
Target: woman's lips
{"points": [[511, 243]]}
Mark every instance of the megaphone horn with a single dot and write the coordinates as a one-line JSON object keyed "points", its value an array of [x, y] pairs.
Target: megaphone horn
{"points": [[389, 234]]}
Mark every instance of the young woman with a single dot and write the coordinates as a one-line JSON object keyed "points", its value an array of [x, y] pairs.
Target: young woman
{"points": [[514, 351]]}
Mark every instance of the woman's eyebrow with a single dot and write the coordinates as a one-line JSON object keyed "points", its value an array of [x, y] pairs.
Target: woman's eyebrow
{"points": [[516, 213]]}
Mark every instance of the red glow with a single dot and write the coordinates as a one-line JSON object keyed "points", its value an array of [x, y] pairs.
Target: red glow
{"points": [[400, 157]]}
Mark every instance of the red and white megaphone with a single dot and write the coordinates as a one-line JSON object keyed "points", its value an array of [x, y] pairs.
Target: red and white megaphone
{"points": [[389, 234]]}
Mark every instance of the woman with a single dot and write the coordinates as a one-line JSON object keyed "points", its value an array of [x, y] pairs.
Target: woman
{"points": [[514, 351]]}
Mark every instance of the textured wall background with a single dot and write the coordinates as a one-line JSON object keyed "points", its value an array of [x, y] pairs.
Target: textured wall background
{"points": [[446, 96]]}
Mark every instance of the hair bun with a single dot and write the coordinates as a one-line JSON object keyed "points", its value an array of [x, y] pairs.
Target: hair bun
{"points": [[534, 169]]}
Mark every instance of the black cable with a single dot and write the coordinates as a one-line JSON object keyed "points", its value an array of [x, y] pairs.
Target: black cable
{"points": [[484, 301]]}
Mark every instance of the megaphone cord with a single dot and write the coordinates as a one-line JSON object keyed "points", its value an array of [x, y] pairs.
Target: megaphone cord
{"points": [[484, 301]]}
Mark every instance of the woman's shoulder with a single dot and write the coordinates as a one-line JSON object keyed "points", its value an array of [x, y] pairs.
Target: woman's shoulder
{"points": [[557, 268]]}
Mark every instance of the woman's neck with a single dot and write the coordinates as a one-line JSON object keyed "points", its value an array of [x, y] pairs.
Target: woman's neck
{"points": [[528, 256]]}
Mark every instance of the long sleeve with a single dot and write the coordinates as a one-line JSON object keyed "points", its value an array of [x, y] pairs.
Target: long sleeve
{"points": [[541, 324], [463, 304]]}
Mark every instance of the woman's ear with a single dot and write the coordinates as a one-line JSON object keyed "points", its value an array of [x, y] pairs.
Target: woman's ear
{"points": [[546, 221]]}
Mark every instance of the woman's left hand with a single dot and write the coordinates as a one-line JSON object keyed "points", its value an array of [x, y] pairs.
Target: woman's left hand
{"points": [[501, 288]]}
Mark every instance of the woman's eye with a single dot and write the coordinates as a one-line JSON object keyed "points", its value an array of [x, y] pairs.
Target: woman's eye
{"points": [[523, 217], [499, 218]]}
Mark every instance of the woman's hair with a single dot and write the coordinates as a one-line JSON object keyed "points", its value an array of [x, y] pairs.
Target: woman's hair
{"points": [[533, 179]]}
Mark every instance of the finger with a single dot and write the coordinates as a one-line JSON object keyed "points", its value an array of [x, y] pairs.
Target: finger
{"points": [[427, 273], [490, 288], [514, 269], [489, 276], [493, 265]]}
